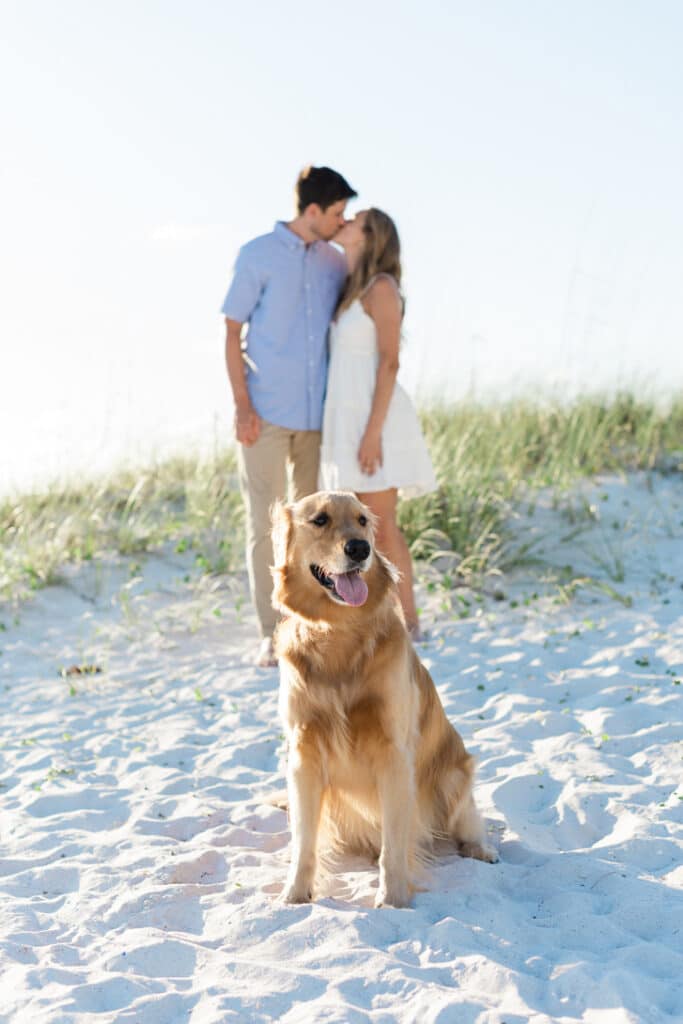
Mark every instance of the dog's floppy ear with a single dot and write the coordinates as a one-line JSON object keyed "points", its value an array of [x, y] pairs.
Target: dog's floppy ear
{"points": [[281, 532], [372, 519], [390, 569]]}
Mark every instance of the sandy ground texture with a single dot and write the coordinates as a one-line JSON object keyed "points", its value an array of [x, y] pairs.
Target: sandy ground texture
{"points": [[140, 862]]}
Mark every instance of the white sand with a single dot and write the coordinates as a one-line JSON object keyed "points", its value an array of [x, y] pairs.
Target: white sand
{"points": [[140, 864]]}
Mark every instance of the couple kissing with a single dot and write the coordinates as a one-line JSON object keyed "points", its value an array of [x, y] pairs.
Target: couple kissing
{"points": [[314, 381]]}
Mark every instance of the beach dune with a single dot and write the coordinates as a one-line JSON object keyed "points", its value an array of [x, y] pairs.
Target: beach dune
{"points": [[141, 859]]}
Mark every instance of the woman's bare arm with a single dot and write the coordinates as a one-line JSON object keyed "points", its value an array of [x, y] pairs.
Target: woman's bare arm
{"points": [[383, 303]]}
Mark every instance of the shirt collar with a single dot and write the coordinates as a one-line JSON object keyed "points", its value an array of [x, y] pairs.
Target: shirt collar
{"points": [[291, 240]]}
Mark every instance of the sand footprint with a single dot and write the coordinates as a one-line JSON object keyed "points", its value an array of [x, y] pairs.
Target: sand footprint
{"points": [[208, 868]]}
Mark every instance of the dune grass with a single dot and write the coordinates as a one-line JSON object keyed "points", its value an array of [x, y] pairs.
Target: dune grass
{"points": [[489, 459], [190, 503]]}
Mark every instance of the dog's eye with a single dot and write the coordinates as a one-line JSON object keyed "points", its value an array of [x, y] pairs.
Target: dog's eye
{"points": [[321, 519], [363, 520]]}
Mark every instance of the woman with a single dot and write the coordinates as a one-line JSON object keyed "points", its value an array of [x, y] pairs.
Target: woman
{"points": [[372, 443]]}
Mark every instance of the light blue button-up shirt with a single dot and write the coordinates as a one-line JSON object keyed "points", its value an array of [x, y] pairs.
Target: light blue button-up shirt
{"points": [[287, 292]]}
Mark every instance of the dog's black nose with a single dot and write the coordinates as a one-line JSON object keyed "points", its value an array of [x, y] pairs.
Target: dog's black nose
{"points": [[357, 549]]}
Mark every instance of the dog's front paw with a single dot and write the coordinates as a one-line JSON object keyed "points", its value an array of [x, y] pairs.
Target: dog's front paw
{"points": [[480, 851], [393, 896], [296, 894]]}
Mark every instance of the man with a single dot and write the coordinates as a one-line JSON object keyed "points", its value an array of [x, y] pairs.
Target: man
{"points": [[285, 287]]}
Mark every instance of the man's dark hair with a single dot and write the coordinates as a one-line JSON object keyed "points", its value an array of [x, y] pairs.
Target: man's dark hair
{"points": [[323, 186]]}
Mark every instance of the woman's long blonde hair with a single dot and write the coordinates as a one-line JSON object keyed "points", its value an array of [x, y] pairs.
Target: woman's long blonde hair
{"points": [[381, 255]]}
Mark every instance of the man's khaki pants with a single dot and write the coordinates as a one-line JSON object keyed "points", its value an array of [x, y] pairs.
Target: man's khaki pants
{"points": [[265, 467]]}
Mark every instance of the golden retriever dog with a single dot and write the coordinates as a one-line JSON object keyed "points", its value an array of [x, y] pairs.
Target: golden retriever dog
{"points": [[373, 761]]}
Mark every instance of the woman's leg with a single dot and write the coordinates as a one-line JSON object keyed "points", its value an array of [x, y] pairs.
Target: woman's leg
{"points": [[392, 543]]}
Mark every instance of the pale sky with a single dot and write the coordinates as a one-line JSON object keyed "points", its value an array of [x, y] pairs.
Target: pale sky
{"points": [[531, 154]]}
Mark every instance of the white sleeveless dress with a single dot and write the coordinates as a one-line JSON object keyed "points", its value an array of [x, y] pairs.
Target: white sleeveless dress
{"points": [[354, 358]]}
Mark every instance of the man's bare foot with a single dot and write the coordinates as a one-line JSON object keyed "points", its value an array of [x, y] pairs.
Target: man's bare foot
{"points": [[266, 655]]}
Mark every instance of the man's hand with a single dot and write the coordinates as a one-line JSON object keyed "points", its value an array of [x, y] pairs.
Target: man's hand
{"points": [[370, 452], [247, 425], [247, 422]]}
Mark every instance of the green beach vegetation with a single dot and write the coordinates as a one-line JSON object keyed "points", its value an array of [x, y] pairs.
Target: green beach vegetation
{"points": [[490, 460]]}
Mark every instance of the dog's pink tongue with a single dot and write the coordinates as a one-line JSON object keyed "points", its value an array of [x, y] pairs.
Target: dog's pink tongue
{"points": [[351, 587]]}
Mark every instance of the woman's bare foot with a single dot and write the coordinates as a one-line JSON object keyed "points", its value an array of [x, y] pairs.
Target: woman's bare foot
{"points": [[417, 635]]}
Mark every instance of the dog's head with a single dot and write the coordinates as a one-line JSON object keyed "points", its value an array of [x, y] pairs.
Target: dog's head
{"points": [[323, 551]]}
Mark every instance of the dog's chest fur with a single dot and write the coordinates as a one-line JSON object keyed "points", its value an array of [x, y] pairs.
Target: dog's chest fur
{"points": [[346, 717]]}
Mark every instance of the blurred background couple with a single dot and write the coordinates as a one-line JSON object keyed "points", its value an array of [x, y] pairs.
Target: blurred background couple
{"points": [[317, 402]]}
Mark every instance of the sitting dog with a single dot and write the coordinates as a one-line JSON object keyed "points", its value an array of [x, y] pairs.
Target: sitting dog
{"points": [[373, 760]]}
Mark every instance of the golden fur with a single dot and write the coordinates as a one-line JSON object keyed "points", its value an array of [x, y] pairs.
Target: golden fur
{"points": [[373, 760]]}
